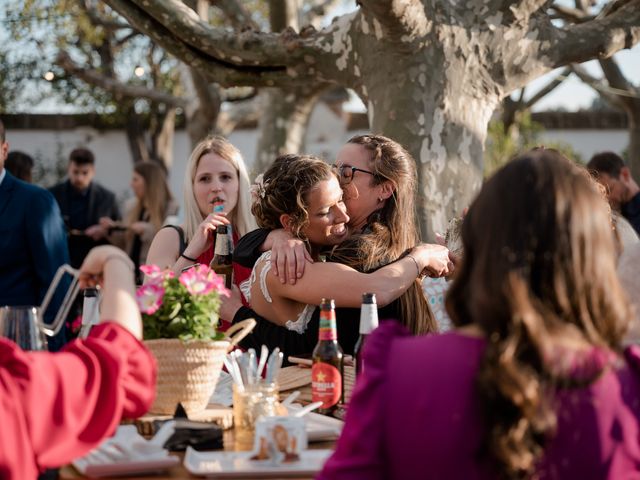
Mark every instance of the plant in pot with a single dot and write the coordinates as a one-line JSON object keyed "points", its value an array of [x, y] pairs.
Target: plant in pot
{"points": [[179, 317]]}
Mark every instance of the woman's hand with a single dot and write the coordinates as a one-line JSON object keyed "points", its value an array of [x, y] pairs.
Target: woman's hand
{"points": [[229, 306], [107, 222], [288, 256], [433, 260], [139, 228], [203, 238]]}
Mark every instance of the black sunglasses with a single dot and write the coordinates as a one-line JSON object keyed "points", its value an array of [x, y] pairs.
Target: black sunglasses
{"points": [[347, 172]]}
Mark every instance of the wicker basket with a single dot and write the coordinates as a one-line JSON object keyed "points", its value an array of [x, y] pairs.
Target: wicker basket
{"points": [[188, 371]]}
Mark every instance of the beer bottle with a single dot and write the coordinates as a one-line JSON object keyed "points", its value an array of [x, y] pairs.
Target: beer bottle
{"points": [[368, 323], [90, 311], [327, 368], [221, 261]]}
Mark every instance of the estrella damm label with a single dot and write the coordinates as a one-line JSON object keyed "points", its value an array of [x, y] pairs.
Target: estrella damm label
{"points": [[326, 384]]}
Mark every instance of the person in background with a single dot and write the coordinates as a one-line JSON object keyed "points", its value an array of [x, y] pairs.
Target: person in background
{"points": [[83, 202], [534, 382], [623, 190], [215, 176], [57, 407], [20, 165], [301, 194], [378, 178], [33, 242], [151, 207]]}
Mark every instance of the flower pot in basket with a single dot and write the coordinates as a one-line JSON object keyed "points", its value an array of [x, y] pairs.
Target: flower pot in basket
{"points": [[179, 318], [188, 370]]}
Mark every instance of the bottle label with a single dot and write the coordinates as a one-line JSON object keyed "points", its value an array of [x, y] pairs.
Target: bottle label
{"points": [[326, 384], [222, 245], [368, 318], [328, 329]]}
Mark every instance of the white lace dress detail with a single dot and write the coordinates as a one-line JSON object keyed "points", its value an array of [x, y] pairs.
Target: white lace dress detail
{"points": [[300, 325]]}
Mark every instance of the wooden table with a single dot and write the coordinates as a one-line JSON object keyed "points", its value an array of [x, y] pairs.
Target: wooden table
{"points": [[290, 378], [70, 473]]}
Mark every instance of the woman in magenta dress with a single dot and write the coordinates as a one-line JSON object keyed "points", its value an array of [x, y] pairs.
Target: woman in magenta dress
{"points": [[55, 407], [534, 382]]}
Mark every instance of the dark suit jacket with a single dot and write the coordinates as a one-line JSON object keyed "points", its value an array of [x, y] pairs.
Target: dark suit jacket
{"points": [[101, 203], [33, 242]]}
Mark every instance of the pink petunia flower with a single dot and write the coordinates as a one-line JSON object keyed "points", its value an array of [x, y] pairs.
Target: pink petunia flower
{"points": [[149, 298], [198, 280], [152, 272]]}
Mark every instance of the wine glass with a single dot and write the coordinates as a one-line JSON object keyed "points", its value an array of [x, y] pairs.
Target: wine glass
{"points": [[21, 325]]}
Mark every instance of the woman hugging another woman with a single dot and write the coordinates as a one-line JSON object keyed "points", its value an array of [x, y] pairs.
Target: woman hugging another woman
{"points": [[302, 195]]}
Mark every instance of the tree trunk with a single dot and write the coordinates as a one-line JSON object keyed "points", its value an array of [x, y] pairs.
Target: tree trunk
{"points": [[633, 115], [440, 115], [283, 124]]}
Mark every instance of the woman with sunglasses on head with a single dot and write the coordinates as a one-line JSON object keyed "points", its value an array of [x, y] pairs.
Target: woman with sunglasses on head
{"points": [[302, 195], [378, 178]]}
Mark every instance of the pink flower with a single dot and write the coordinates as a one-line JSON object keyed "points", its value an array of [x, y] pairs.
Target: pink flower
{"points": [[155, 275], [149, 298], [198, 280], [152, 272]]}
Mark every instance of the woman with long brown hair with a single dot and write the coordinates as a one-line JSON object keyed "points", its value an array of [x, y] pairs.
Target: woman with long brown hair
{"points": [[378, 178], [534, 382], [302, 195], [145, 213]]}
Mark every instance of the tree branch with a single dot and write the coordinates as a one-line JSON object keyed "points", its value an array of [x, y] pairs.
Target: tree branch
{"points": [[262, 59], [93, 77], [229, 47], [398, 18], [614, 75], [600, 38], [572, 15], [597, 84], [546, 90], [523, 9]]}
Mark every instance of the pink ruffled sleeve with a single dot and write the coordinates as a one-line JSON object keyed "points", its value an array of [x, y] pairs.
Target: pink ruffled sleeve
{"points": [[360, 450], [64, 404]]}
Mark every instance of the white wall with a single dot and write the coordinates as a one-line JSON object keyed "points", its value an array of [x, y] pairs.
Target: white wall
{"points": [[589, 142], [326, 133]]}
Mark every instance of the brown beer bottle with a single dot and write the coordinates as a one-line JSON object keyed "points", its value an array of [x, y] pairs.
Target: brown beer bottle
{"points": [[328, 368], [221, 261], [368, 323]]}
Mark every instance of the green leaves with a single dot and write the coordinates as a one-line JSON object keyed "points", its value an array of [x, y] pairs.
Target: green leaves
{"points": [[182, 315]]}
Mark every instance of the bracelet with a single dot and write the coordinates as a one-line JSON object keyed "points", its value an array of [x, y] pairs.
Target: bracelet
{"points": [[126, 260], [191, 259], [416, 262]]}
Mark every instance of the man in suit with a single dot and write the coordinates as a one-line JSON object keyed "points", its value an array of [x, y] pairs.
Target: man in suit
{"points": [[83, 202], [32, 241]]}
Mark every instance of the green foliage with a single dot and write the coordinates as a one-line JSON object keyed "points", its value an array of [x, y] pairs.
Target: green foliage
{"points": [[181, 314], [524, 135]]}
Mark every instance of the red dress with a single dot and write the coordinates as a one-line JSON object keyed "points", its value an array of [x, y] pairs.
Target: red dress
{"points": [[55, 407], [240, 274]]}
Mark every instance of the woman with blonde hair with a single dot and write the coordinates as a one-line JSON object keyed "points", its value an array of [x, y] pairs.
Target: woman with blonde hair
{"points": [[216, 177], [151, 207], [534, 382]]}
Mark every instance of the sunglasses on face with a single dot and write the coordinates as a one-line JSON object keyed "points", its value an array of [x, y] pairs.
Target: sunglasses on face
{"points": [[347, 172]]}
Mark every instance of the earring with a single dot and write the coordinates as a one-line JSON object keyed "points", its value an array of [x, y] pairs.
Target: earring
{"points": [[380, 200]]}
